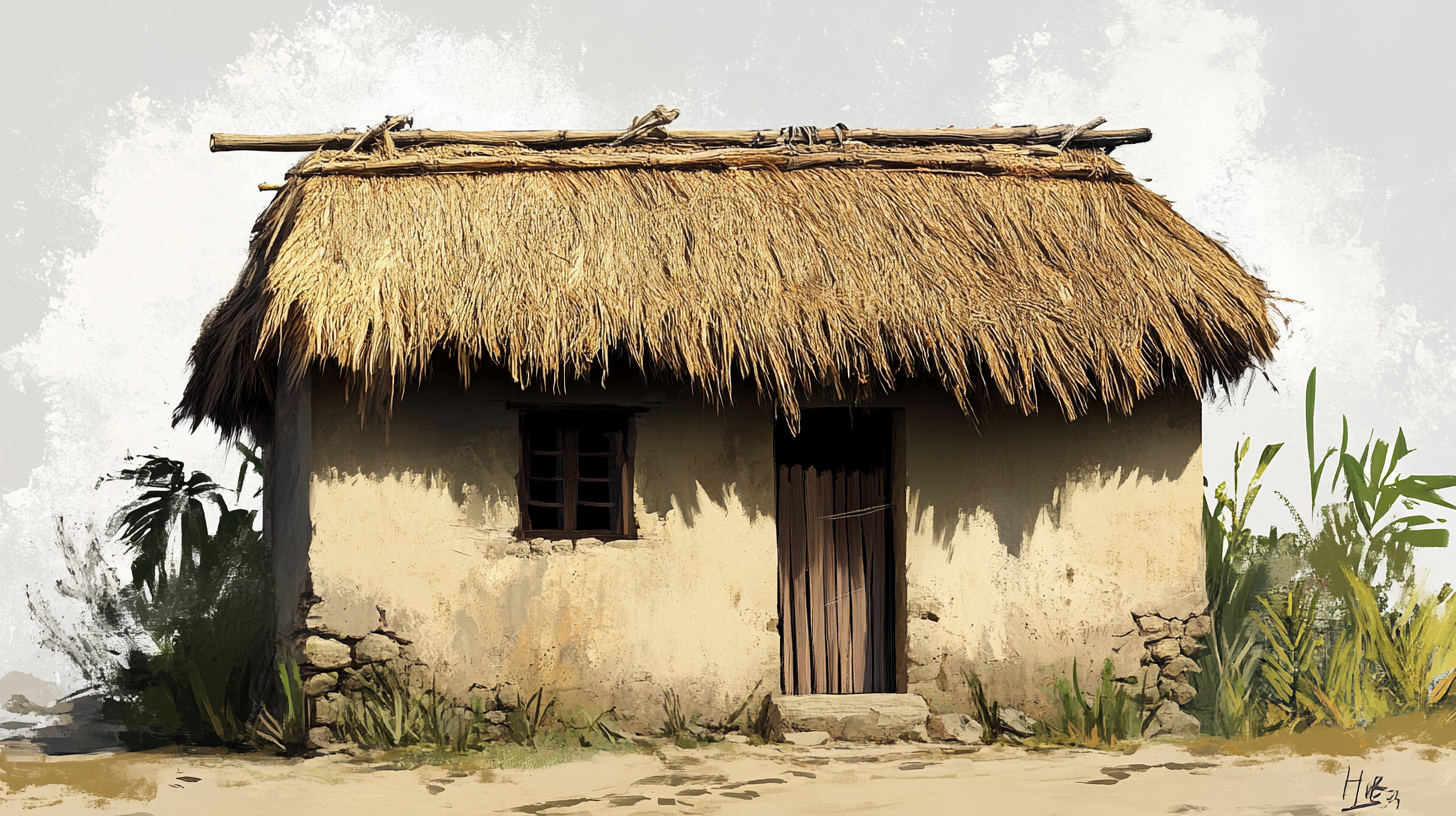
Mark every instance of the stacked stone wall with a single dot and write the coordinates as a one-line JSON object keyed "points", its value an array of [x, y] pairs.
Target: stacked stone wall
{"points": [[1156, 660]]}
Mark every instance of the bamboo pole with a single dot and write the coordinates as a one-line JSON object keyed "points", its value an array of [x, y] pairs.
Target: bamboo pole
{"points": [[779, 158], [546, 139]]}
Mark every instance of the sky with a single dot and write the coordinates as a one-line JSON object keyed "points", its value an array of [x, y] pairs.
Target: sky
{"points": [[1309, 142]]}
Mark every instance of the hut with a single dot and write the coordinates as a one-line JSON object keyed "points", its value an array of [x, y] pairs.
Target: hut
{"points": [[822, 411]]}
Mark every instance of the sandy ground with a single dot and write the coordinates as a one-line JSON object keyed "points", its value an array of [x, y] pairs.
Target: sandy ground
{"points": [[730, 779]]}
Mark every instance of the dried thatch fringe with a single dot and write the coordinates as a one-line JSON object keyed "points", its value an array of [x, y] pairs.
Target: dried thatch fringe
{"points": [[1014, 287]]}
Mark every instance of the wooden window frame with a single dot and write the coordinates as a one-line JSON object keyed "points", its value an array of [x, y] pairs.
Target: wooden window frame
{"points": [[570, 421]]}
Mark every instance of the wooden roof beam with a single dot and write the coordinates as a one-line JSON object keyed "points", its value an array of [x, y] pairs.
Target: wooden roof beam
{"points": [[556, 139]]}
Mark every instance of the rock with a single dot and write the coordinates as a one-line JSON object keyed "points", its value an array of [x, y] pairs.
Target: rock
{"points": [[320, 683], [856, 717], [1138, 694], [326, 653], [326, 709], [1143, 686], [1178, 665], [321, 737], [1153, 729], [1175, 629], [804, 739], [1198, 626], [1183, 694], [1190, 646], [588, 542], [562, 547], [1127, 659], [1165, 649], [1016, 722], [540, 546], [376, 648], [20, 704], [955, 728], [737, 738], [508, 695], [1152, 627], [1172, 720], [495, 717], [520, 549]]}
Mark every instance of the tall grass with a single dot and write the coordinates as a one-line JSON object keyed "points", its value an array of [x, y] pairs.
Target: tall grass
{"points": [[391, 709], [1101, 717], [288, 730], [1346, 637]]}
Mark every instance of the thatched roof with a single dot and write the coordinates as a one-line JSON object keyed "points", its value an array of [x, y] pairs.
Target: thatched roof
{"points": [[1007, 268]]}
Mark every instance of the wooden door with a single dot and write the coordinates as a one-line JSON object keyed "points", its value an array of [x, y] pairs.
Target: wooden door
{"points": [[835, 564]]}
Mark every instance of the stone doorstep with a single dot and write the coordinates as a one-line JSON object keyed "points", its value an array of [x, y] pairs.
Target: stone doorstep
{"points": [[856, 717]]}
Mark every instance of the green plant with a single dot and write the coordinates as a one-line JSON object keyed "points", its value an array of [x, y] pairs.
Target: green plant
{"points": [[1239, 567], [390, 709], [387, 711], [604, 724], [1356, 531], [183, 651], [1238, 712], [442, 724], [285, 732], [1289, 660], [1283, 656], [528, 721], [1352, 696], [1415, 645], [170, 498], [1109, 716], [252, 462]]}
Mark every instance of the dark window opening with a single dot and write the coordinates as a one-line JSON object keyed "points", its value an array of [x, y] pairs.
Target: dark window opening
{"points": [[576, 474]]}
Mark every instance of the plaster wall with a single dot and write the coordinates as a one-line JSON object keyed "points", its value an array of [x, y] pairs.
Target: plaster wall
{"points": [[1024, 542], [1030, 541], [423, 532]]}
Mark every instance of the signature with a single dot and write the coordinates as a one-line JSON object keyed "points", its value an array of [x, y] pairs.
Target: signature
{"points": [[1375, 793]]}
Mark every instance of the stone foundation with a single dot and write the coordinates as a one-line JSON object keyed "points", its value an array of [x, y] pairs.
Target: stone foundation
{"points": [[1155, 660], [325, 658]]}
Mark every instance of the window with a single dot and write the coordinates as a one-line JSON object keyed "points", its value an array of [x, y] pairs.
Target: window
{"points": [[576, 474]]}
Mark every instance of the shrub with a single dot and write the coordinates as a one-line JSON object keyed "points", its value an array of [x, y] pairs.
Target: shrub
{"points": [[1108, 717]]}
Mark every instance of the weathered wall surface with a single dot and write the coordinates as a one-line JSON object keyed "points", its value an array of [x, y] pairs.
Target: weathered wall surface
{"points": [[1026, 542], [1032, 541], [424, 529]]}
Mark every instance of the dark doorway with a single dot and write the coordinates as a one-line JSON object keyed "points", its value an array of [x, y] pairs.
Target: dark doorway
{"points": [[836, 573]]}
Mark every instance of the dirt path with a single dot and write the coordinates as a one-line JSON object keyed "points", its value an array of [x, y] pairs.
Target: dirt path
{"points": [[915, 780]]}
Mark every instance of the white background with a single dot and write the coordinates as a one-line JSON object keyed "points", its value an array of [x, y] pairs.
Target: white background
{"points": [[1309, 136]]}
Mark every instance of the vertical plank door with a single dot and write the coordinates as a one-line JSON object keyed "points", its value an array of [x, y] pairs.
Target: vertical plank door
{"points": [[835, 579]]}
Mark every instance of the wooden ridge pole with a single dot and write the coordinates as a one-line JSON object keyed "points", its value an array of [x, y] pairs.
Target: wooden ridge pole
{"points": [[779, 158], [556, 139]]}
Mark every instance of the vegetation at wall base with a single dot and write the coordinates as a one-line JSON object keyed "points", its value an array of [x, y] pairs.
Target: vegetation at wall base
{"points": [[1099, 718], [287, 731], [1326, 625], [183, 652], [393, 709]]}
